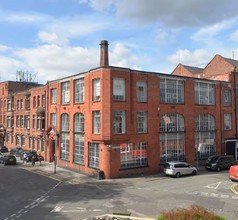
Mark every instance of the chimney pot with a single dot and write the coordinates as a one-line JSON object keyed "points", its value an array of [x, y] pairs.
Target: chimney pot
{"points": [[104, 61]]}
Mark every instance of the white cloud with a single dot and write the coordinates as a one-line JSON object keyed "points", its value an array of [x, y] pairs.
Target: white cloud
{"points": [[4, 48], [171, 13], [98, 5], [8, 68], [199, 57], [51, 38], [53, 62], [23, 17], [123, 56], [234, 36]]}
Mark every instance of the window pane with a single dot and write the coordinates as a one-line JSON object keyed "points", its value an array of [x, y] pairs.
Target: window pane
{"points": [[133, 155], [79, 91], [118, 89], [65, 92]]}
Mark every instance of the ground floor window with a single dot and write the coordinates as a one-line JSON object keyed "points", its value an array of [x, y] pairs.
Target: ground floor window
{"points": [[64, 148], [133, 155], [172, 147], [205, 144], [93, 160], [79, 148]]}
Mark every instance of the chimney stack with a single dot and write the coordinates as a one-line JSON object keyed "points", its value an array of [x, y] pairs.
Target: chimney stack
{"points": [[104, 53]]}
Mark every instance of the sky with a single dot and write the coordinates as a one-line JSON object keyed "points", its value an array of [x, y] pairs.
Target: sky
{"points": [[52, 39]]}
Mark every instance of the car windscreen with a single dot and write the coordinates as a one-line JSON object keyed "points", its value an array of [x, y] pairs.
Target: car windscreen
{"points": [[212, 159]]}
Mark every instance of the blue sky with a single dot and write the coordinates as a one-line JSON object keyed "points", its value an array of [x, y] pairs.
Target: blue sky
{"points": [[57, 38]]}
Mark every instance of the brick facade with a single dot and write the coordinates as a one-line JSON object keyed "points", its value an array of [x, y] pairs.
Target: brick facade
{"points": [[107, 149]]}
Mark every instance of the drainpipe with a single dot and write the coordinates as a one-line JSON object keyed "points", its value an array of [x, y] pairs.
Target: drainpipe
{"points": [[221, 120], [234, 72]]}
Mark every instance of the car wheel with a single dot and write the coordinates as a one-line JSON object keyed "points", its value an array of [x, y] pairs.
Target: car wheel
{"points": [[177, 175], [194, 172], [218, 169]]}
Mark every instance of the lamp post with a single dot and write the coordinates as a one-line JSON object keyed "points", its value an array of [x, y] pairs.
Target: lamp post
{"points": [[55, 156]]}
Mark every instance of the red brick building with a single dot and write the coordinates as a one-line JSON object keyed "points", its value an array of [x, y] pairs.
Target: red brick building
{"points": [[127, 122]]}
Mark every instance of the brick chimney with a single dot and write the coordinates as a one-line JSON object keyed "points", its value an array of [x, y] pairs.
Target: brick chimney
{"points": [[104, 53]]}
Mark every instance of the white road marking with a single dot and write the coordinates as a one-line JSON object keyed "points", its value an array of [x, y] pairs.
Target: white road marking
{"points": [[213, 185]]}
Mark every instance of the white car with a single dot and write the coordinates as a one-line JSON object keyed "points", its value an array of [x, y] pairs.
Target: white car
{"points": [[177, 169]]}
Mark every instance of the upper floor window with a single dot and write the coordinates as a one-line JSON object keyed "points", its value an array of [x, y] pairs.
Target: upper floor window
{"points": [[227, 98], [96, 89], [96, 122], [38, 100], [79, 123], [119, 89], [27, 103], [53, 96], [65, 86], [141, 122], [141, 91], [65, 122], [171, 91], [34, 101], [204, 93], [171, 122], [79, 90], [53, 119], [119, 122], [43, 100], [18, 104], [227, 121]]}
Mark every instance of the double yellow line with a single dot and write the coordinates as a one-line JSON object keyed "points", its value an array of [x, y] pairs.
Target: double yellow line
{"points": [[233, 188]]}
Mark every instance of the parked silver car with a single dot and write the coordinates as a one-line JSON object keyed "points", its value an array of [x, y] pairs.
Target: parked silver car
{"points": [[177, 169]]}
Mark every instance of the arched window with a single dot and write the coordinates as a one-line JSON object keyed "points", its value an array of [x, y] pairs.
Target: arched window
{"points": [[79, 138], [205, 136], [172, 138], [64, 147]]}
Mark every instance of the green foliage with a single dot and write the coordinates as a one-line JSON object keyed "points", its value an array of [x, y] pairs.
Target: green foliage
{"points": [[193, 213]]}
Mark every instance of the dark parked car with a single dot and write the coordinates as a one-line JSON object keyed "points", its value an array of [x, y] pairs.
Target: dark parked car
{"points": [[16, 151], [8, 159], [3, 149], [220, 162]]}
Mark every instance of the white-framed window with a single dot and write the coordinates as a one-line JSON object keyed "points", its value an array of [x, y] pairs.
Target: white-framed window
{"points": [[172, 137], [9, 121], [53, 119], [93, 160], [79, 123], [204, 93], [171, 91], [133, 155], [141, 91], [65, 95], [27, 122], [79, 90], [96, 89], [18, 139], [38, 147], [53, 96], [64, 147], [42, 145], [79, 138], [205, 136], [119, 122], [227, 121], [119, 89], [43, 101], [141, 122], [227, 97], [96, 122]]}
